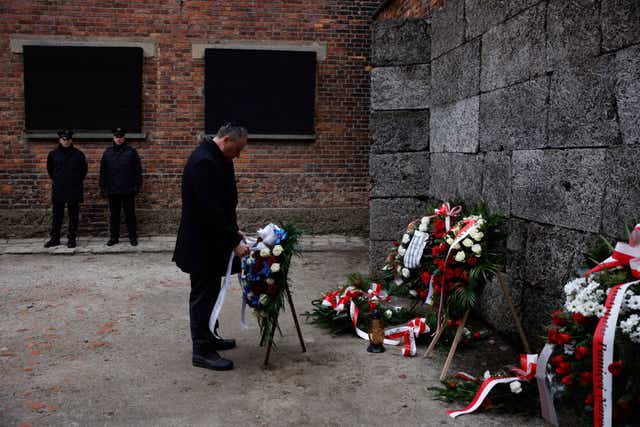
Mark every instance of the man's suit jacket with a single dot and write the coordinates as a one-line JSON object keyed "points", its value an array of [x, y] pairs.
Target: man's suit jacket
{"points": [[208, 225]]}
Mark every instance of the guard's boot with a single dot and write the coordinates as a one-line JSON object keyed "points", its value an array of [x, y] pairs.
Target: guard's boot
{"points": [[206, 357], [133, 241], [112, 241], [220, 343], [52, 242], [71, 242]]}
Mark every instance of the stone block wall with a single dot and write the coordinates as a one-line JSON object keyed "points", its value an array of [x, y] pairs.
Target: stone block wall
{"points": [[533, 107]]}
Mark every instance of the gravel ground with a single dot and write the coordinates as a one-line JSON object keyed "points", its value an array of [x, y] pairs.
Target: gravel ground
{"points": [[103, 340]]}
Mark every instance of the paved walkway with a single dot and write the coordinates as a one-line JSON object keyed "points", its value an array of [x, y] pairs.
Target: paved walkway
{"points": [[97, 245]]}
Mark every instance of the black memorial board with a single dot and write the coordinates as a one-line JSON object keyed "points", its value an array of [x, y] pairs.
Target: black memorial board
{"points": [[83, 88], [267, 91]]}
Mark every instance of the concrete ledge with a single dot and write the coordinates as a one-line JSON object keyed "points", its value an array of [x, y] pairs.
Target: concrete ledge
{"points": [[164, 244], [320, 48], [18, 41]]}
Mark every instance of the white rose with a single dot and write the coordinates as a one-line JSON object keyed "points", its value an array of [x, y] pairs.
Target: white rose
{"points": [[405, 272], [401, 251], [456, 246], [413, 292], [388, 314], [406, 238], [264, 299], [460, 256], [449, 241], [275, 267], [265, 252], [486, 375], [478, 236], [516, 387], [277, 250], [467, 242], [476, 248]]}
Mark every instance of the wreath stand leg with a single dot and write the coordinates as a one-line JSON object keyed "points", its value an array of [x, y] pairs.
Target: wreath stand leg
{"points": [[454, 346], [434, 341], [275, 326], [516, 319], [295, 318]]}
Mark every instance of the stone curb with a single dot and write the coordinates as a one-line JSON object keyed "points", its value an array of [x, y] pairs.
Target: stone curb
{"points": [[96, 245]]}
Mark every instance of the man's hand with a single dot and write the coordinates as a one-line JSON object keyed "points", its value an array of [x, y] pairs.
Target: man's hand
{"points": [[241, 250]]}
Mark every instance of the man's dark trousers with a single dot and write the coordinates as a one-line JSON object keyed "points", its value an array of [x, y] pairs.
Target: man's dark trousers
{"points": [[204, 293], [116, 203], [58, 214]]}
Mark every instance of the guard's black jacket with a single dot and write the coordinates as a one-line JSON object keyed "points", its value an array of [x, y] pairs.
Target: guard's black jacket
{"points": [[67, 168], [208, 225], [120, 170]]}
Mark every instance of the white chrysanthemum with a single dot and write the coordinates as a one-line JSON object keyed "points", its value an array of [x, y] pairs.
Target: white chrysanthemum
{"points": [[422, 227], [406, 238], [275, 267], [406, 273], [413, 292], [467, 242], [277, 250], [425, 220], [516, 387], [456, 246], [388, 314], [476, 249], [449, 240], [460, 256], [265, 252], [264, 299], [402, 251], [634, 303], [486, 375]]}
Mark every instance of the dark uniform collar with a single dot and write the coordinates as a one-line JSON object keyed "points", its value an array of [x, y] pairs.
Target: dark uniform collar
{"points": [[119, 147], [210, 145]]}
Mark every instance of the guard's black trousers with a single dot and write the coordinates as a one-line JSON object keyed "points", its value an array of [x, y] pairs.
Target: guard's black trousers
{"points": [[58, 215], [116, 203], [204, 293]]}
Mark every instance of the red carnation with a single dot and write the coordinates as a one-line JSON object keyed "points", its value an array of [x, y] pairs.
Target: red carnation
{"points": [[396, 243], [553, 336], [472, 261], [439, 224], [563, 368], [586, 378], [422, 293], [615, 368], [558, 318], [425, 277], [557, 359], [567, 380], [588, 400], [579, 318], [582, 352], [476, 335], [452, 384], [438, 234], [563, 338]]}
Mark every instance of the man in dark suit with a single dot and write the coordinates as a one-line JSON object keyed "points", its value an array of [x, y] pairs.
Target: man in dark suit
{"points": [[120, 181], [67, 168], [208, 234]]}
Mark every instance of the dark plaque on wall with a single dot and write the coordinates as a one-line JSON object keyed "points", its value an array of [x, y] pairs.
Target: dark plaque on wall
{"points": [[83, 88], [270, 92]]}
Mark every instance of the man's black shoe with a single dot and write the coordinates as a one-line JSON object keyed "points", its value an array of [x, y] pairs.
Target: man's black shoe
{"points": [[71, 243], [223, 344], [134, 242], [211, 361], [51, 243], [112, 241]]}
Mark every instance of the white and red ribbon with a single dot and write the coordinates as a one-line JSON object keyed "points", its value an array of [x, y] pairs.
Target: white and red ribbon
{"points": [[603, 346], [393, 336], [527, 370], [547, 405], [623, 254]]}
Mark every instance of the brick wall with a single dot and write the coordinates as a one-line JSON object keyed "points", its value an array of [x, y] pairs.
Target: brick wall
{"points": [[530, 105], [403, 9], [323, 184]]}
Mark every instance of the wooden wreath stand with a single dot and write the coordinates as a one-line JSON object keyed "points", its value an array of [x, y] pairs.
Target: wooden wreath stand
{"points": [[456, 339], [275, 325]]}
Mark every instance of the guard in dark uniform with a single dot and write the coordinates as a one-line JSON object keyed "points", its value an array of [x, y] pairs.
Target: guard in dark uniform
{"points": [[120, 181], [67, 168]]}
